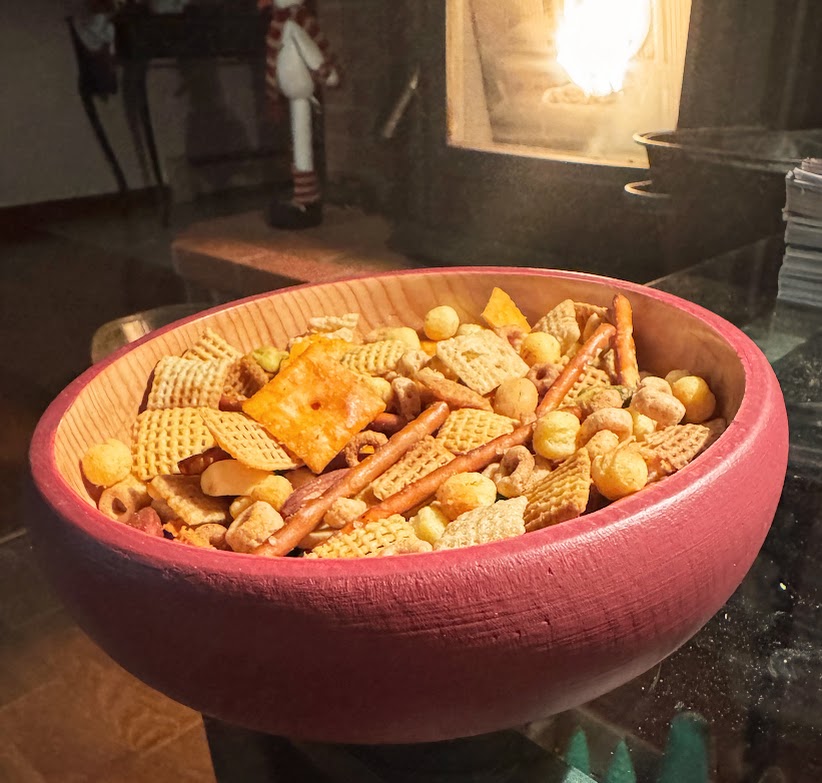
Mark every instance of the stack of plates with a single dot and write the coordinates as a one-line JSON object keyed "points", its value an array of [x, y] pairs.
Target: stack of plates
{"points": [[800, 278]]}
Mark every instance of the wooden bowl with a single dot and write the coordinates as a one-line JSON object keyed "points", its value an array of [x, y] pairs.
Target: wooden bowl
{"points": [[419, 647]]}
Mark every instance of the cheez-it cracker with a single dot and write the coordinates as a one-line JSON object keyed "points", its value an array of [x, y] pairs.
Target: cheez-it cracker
{"points": [[315, 406]]}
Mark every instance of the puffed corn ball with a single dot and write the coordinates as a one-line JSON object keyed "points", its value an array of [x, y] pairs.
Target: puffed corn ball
{"points": [[429, 523], [555, 435], [655, 382], [602, 442], [239, 505], [674, 375], [516, 398], [465, 492], [343, 511], [253, 527], [230, 477], [441, 323], [273, 490], [107, 463], [619, 473], [695, 394], [540, 348]]}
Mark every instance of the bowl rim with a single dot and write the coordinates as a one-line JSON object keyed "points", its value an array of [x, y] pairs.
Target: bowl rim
{"points": [[615, 518]]}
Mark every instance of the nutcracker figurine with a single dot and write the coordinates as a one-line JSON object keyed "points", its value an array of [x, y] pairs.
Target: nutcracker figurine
{"points": [[297, 58]]}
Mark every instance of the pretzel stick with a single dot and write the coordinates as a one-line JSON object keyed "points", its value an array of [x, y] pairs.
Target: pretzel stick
{"points": [[573, 370], [624, 348], [416, 492], [388, 423], [358, 478]]}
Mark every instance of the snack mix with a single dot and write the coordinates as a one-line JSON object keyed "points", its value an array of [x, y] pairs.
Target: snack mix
{"points": [[345, 445]]}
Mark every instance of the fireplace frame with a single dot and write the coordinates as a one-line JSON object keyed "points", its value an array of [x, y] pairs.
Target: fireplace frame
{"points": [[459, 205]]}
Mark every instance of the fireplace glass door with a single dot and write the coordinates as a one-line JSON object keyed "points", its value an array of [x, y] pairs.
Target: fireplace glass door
{"points": [[568, 80]]}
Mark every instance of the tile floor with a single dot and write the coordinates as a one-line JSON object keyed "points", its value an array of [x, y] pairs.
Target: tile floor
{"points": [[67, 712]]}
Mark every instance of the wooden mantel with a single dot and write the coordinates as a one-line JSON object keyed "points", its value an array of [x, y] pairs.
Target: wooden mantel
{"points": [[241, 255]]}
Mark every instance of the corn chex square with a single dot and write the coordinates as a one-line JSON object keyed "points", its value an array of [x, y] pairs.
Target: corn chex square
{"points": [[185, 498], [247, 440], [245, 378], [187, 383], [212, 346], [561, 495], [428, 455], [376, 358], [314, 406], [561, 322], [333, 323], [482, 361], [368, 540], [467, 428], [501, 520], [591, 378], [672, 448], [584, 310], [161, 438]]}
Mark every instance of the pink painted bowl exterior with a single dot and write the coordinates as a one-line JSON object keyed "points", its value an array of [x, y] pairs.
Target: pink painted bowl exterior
{"points": [[427, 647]]}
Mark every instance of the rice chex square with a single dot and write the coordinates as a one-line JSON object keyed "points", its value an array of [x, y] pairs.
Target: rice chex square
{"points": [[482, 361]]}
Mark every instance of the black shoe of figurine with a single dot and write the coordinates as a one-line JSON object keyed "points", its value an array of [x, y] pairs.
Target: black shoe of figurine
{"points": [[293, 216]]}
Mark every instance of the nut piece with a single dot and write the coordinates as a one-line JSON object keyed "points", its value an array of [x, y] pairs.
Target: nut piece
{"points": [[555, 435], [253, 527], [516, 398], [695, 394], [620, 473], [540, 348], [674, 375], [441, 323], [230, 477], [104, 464], [464, 492], [147, 520], [664, 409]]}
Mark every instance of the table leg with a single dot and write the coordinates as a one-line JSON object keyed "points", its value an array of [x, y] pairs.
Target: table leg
{"points": [[102, 139], [144, 110]]}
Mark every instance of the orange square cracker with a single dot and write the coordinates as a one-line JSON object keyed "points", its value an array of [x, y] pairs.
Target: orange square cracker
{"points": [[315, 406]]}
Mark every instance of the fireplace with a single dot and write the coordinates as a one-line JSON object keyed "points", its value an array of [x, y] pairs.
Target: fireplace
{"points": [[569, 80], [518, 150]]}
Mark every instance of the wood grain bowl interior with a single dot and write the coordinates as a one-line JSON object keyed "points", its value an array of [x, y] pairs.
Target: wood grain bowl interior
{"points": [[428, 646], [108, 406]]}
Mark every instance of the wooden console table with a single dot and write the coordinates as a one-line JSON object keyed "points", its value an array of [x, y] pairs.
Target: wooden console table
{"points": [[241, 255]]}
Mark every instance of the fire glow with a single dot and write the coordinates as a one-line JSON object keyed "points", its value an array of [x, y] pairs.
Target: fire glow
{"points": [[597, 39]]}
